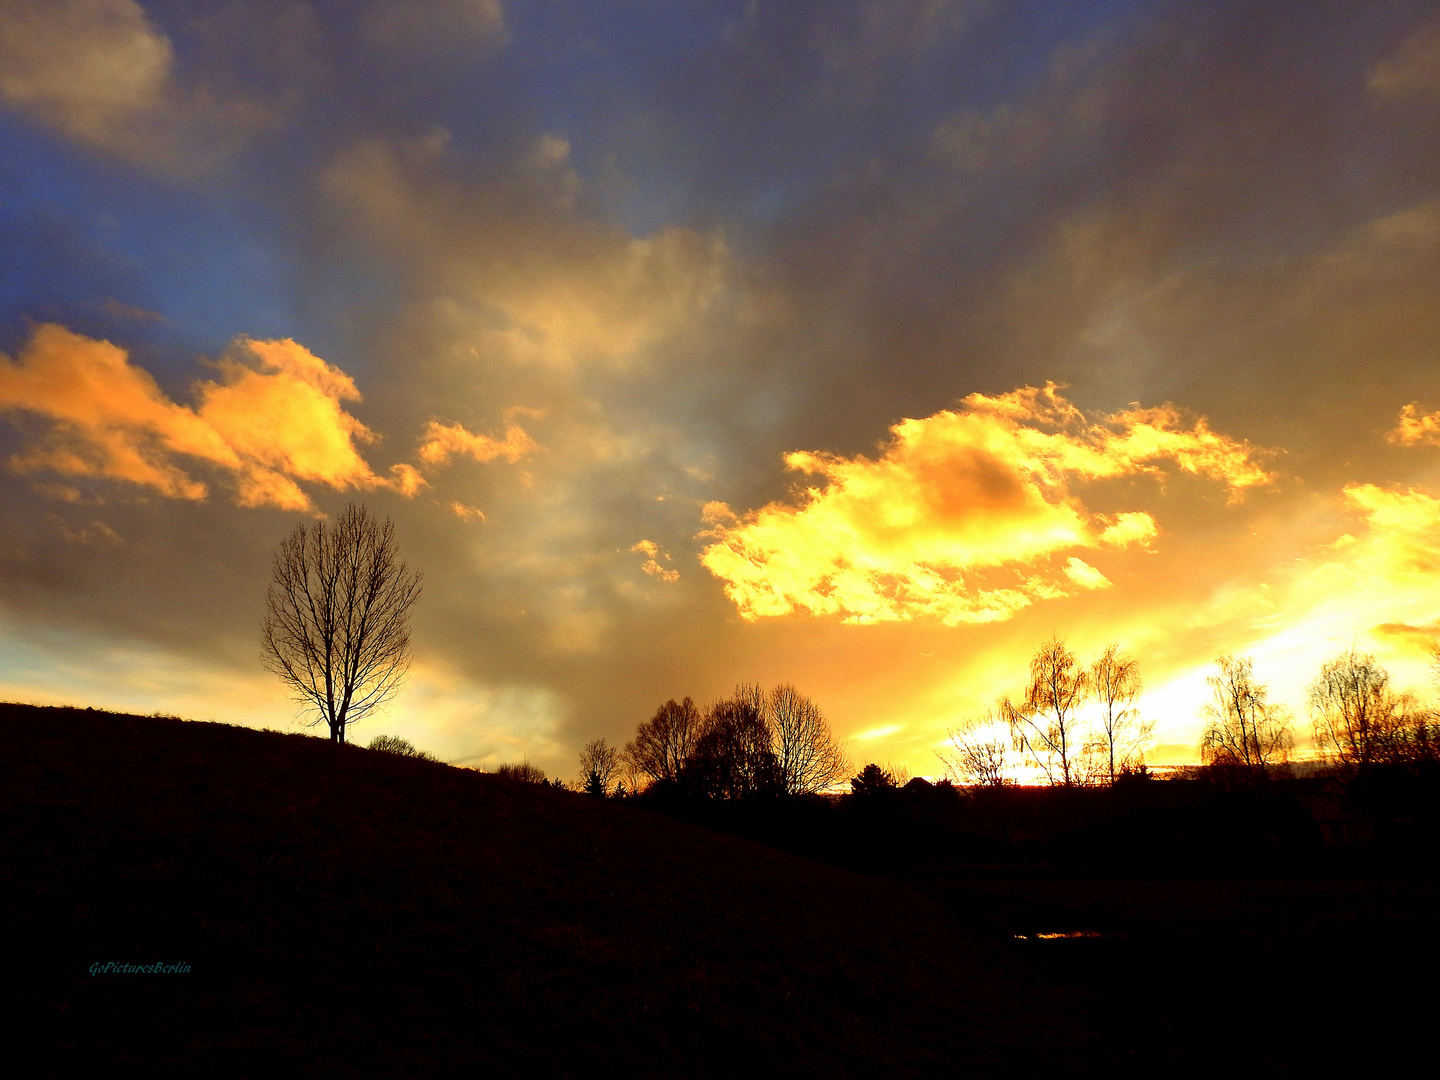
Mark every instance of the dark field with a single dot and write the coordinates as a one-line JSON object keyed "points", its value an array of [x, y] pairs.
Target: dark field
{"points": [[345, 912]]}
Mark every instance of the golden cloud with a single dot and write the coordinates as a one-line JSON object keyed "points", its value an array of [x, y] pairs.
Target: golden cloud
{"points": [[952, 499], [280, 409], [1415, 427], [1084, 575], [276, 416], [652, 566], [466, 513], [441, 442], [1404, 535]]}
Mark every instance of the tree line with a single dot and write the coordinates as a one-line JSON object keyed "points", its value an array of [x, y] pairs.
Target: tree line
{"points": [[753, 743], [1358, 720], [1076, 725]]}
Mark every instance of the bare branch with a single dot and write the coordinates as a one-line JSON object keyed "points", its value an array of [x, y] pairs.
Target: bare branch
{"points": [[977, 756], [1359, 720]]}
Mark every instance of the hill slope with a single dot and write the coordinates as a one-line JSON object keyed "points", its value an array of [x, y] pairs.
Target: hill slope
{"points": [[355, 913]]}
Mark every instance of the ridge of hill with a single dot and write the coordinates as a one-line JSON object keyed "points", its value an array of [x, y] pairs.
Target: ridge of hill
{"points": [[345, 912]]}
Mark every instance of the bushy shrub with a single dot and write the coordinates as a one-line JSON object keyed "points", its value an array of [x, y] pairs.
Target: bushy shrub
{"points": [[394, 744], [522, 771]]}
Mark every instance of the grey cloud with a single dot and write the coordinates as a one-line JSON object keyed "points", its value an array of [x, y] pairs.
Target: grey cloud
{"points": [[419, 26], [1413, 70], [560, 289], [102, 73]]}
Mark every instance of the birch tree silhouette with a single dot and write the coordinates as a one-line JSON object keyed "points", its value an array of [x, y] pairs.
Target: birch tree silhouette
{"points": [[1115, 684], [1245, 730], [977, 755], [1357, 719], [1046, 726]]}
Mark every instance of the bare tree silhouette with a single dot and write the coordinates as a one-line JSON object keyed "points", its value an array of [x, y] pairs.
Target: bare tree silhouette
{"points": [[808, 756], [1358, 720], [599, 762], [733, 756], [751, 742], [337, 617], [1046, 727], [1115, 684], [664, 743], [977, 756], [1245, 730]]}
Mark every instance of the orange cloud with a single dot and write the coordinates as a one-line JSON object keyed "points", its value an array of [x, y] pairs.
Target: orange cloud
{"points": [[407, 480], [275, 417], [282, 413], [651, 566], [467, 513], [952, 500], [441, 442], [110, 418], [1415, 427]]}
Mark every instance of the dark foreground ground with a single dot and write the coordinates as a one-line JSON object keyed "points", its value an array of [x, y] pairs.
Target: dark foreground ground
{"points": [[344, 912]]}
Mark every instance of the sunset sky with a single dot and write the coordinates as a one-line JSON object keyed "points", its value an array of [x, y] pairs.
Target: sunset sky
{"points": [[861, 346]]}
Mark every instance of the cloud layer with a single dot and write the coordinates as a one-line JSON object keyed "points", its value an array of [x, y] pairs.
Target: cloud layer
{"points": [[689, 239], [547, 287]]}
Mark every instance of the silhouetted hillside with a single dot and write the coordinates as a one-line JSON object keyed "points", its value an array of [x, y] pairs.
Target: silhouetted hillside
{"points": [[348, 912]]}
